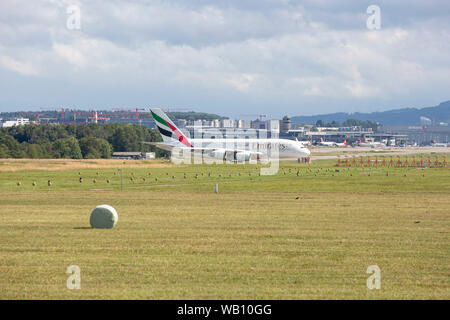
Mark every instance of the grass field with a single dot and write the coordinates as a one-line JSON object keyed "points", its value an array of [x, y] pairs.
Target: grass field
{"points": [[309, 232]]}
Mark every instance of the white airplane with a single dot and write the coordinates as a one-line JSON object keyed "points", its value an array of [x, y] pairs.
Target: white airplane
{"points": [[236, 149], [326, 143], [439, 145], [332, 143], [341, 144], [374, 144], [304, 142]]}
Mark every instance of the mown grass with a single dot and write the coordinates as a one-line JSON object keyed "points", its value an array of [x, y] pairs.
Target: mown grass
{"points": [[287, 236]]}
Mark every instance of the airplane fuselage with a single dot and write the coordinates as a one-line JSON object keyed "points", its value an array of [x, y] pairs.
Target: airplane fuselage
{"points": [[372, 144], [286, 148]]}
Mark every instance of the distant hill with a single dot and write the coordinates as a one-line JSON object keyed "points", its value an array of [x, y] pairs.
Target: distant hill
{"points": [[191, 115], [405, 116]]}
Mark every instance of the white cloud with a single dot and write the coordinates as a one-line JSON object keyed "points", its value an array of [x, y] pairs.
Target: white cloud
{"points": [[242, 82], [24, 68], [71, 54], [285, 52]]}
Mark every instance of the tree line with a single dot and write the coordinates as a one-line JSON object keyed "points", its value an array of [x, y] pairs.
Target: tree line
{"points": [[81, 115], [92, 141]]}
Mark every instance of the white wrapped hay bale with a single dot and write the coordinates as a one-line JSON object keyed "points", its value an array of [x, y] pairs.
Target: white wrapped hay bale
{"points": [[104, 217]]}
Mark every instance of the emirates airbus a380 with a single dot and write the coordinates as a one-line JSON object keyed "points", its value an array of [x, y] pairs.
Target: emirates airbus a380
{"points": [[237, 149]]}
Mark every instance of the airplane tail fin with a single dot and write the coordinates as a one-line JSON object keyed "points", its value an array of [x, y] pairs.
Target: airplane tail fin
{"points": [[167, 128], [345, 142], [321, 139]]}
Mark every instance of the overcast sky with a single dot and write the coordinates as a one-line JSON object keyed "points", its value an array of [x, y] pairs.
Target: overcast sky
{"points": [[272, 57]]}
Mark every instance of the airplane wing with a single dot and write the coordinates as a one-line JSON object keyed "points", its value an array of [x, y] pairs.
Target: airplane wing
{"points": [[161, 145], [170, 147]]}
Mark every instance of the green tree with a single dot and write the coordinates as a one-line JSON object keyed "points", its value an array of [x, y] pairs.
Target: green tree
{"points": [[59, 141], [334, 124], [4, 152], [364, 124], [13, 147], [95, 148], [67, 148], [125, 139], [33, 151]]}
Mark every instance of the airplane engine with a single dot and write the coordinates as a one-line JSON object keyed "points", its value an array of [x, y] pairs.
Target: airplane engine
{"points": [[243, 156], [218, 154]]}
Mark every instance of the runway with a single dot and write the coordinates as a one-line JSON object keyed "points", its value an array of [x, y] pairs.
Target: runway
{"points": [[318, 153]]}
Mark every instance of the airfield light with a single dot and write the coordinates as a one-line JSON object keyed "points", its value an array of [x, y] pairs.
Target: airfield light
{"points": [[121, 178]]}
